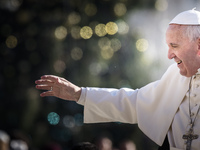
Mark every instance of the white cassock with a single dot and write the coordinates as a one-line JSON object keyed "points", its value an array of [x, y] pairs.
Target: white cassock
{"points": [[152, 107]]}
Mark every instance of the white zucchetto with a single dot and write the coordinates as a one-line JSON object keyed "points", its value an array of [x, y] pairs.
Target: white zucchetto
{"points": [[190, 17]]}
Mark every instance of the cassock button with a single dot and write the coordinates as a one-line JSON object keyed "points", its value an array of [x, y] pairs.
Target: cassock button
{"points": [[194, 95]]}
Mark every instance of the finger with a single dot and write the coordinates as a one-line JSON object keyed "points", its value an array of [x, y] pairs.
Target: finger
{"points": [[43, 87], [63, 79], [50, 77], [44, 81], [48, 93], [55, 79]]}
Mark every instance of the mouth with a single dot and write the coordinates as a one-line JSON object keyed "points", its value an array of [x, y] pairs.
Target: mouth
{"points": [[179, 62]]}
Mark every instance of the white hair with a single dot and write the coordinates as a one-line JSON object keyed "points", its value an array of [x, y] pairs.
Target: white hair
{"points": [[193, 32]]}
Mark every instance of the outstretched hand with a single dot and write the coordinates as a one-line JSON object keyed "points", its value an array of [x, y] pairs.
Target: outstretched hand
{"points": [[58, 87]]}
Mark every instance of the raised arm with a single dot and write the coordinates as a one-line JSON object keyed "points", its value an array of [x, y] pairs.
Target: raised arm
{"points": [[58, 87]]}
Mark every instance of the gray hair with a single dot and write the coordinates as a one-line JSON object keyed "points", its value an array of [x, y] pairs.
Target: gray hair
{"points": [[193, 32]]}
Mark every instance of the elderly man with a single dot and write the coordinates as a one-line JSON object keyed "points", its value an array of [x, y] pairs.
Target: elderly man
{"points": [[169, 106]]}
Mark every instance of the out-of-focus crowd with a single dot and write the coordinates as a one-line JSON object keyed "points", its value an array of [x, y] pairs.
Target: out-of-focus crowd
{"points": [[6, 143], [17, 142]]}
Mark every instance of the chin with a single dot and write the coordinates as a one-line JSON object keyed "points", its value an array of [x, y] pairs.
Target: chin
{"points": [[186, 74], [183, 73]]}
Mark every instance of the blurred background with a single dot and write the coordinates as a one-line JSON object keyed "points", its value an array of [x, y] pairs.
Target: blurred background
{"points": [[98, 43]]}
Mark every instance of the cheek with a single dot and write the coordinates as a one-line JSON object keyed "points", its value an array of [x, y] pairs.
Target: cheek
{"points": [[190, 59], [190, 52]]}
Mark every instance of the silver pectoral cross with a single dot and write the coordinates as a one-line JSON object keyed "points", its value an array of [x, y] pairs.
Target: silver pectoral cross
{"points": [[189, 137]]}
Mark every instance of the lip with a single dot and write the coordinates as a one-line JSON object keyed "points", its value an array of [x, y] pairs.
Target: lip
{"points": [[179, 62]]}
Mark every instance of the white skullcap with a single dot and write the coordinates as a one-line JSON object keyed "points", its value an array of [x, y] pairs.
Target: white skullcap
{"points": [[190, 17]]}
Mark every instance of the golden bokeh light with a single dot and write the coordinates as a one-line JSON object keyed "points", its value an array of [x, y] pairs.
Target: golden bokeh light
{"points": [[75, 32], [86, 32], [76, 53], [97, 68], [115, 44], [100, 30], [107, 50], [107, 53], [161, 5], [59, 66], [120, 9], [11, 41], [74, 18], [123, 27], [104, 43], [111, 28], [142, 45], [90, 9], [60, 32]]}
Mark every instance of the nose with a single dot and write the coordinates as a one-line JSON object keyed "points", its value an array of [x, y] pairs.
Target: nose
{"points": [[171, 55]]}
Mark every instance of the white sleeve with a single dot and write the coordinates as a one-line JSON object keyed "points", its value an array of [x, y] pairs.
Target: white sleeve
{"points": [[110, 105]]}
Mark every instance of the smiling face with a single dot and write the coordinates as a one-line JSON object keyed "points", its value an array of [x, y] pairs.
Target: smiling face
{"points": [[185, 53]]}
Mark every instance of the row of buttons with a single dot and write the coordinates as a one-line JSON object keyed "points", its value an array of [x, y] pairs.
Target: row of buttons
{"points": [[195, 96]]}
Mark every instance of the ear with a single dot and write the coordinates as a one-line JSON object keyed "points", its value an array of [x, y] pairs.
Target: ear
{"points": [[199, 46], [198, 43]]}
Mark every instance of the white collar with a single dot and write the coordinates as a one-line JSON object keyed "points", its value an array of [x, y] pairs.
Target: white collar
{"points": [[198, 71]]}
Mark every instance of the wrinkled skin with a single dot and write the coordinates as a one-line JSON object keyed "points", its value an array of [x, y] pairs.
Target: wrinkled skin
{"points": [[61, 88], [185, 53]]}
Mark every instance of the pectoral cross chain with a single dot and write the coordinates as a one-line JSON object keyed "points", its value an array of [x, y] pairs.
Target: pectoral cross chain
{"points": [[189, 137], [190, 134]]}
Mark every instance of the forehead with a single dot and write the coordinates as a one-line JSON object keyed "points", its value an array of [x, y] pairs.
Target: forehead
{"points": [[176, 32], [175, 29]]}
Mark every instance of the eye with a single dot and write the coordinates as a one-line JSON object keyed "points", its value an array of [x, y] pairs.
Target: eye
{"points": [[174, 45]]}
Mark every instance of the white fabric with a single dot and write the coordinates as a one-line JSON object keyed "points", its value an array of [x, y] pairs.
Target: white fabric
{"points": [[190, 17], [181, 119], [173, 148], [152, 107]]}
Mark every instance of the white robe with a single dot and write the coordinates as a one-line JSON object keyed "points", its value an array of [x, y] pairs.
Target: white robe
{"points": [[152, 107]]}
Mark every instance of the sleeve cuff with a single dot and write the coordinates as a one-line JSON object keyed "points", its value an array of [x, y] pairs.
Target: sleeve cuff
{"points": [[81, 100]]}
